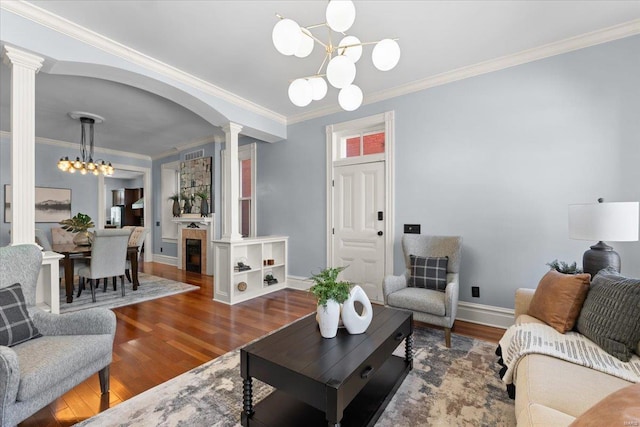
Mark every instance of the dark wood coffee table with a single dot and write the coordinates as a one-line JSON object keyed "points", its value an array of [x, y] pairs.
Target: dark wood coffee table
{"points": [[347, 380]]}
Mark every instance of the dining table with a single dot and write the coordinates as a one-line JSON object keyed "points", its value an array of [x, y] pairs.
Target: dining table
{"points": [[72, 252]]}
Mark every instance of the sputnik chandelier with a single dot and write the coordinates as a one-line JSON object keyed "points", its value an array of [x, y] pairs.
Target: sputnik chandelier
{"points": [[289, 38], [84, 163]]}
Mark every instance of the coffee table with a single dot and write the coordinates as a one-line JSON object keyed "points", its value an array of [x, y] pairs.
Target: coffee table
{"points": [[347, 380]]}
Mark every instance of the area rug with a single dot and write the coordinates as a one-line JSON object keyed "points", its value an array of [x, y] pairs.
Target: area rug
{"points": [[447, 387], [151, 287]]}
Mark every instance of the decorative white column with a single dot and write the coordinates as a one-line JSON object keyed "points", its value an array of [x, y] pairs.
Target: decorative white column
{"points": [[24, 67], [231, 209]]}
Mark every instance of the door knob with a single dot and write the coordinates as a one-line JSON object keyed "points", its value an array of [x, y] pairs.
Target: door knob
{"points": [[380, 233]]}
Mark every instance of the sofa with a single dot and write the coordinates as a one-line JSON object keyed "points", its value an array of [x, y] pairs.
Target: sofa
{"points": [[553, 392], [46, 354]]}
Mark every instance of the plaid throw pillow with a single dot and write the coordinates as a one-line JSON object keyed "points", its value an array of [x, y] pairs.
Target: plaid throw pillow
{"points": [[429, 272], [15, 324]]}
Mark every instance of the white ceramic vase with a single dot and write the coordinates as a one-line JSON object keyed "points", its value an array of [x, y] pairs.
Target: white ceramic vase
{"points": [[328, 318], [354, 322]]}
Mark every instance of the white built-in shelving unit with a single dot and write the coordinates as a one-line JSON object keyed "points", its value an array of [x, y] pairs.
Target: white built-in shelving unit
{"points": [[265, 255]]}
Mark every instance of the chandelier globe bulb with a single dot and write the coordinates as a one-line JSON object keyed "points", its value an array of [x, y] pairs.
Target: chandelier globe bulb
{"points": [[318, 88], [340, 15], [353, 52], [286, 36], [306, 44], [350, 98], [341, 71], [386, 54], [300, 92]]}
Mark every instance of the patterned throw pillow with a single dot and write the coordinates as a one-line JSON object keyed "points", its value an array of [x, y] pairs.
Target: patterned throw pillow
{"points": [[610, 316], [15, 324], [428, 272]]}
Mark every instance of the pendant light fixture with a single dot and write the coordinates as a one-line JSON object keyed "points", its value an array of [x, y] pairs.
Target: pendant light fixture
{"points": [[84, 163], [289, 38]]}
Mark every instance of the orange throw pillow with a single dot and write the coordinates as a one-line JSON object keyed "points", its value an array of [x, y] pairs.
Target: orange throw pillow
{"points": [[559, 298], [620, 408]]}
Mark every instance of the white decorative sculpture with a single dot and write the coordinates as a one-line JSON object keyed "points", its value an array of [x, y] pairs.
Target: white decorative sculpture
{"points": [[328, 318], [354, 322]]}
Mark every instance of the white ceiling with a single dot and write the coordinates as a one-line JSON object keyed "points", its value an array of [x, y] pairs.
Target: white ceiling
{"points": [[228, 43]]}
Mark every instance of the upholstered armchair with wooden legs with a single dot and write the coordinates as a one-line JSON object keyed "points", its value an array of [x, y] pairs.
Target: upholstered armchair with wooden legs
{"points": [[72, 347], [436, 307]]}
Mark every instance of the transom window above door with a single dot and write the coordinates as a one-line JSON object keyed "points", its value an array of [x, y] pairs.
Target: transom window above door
{"points": [[364, 144]]}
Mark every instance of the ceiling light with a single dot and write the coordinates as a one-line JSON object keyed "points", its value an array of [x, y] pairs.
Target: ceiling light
{"points": [[289, 38], [85, 163]]}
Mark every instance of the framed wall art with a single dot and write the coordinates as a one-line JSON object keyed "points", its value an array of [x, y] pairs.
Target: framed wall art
{"points": [[52, 204]]}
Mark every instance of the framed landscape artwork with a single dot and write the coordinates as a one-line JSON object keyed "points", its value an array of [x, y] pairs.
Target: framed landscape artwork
{"points": [[52, 204]]}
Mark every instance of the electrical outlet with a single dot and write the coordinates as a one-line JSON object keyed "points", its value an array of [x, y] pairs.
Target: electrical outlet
{"points": [[157, 223], [475, 291]]}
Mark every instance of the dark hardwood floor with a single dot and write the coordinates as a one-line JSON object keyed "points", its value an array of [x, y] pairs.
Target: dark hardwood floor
{"points": [[160, 339]]}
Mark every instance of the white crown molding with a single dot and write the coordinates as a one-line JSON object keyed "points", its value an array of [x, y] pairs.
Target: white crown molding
{"points": [[82, 34], [75, 146], [593, 38]]}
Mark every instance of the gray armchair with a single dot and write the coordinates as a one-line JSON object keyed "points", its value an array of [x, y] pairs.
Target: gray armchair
{"points": [[72, 347], [428, 306]]}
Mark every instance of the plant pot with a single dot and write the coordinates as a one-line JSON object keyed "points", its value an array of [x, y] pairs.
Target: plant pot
{"points": [[176, 208], [204, 208], [82, 238], [354, 322], [328, 318]]}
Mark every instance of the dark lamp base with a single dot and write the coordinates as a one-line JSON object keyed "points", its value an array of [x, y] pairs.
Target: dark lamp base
{"points": [[598, 257]]}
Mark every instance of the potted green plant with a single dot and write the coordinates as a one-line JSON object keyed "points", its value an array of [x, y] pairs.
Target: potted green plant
{"points": [[79, 224], [563, 267], [204, 203], [330, 293], [176, 204]]}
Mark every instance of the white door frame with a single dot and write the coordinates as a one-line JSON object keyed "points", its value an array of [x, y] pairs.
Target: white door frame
{"points": [[148, 206], [333, 134]]}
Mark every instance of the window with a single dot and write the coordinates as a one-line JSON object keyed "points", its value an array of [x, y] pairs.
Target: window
{"points": [[247, 181], [367, 143], [169, 187]]}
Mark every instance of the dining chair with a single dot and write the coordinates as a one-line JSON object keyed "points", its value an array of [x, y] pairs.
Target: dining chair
{"points": [[137, 239], [108, 258], [60, 236]]}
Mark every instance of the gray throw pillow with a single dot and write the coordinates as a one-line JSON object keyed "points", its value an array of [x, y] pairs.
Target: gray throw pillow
{"points": [[15, 324], [428, 272], [610, 316]]}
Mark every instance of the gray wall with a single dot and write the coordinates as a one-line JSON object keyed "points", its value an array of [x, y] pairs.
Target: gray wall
{"points": [[84, 189], [495, 158]]}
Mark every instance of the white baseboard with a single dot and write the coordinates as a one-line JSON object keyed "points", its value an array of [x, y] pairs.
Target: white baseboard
{"points": [[482, 314], [300, 283], [164, 259]]}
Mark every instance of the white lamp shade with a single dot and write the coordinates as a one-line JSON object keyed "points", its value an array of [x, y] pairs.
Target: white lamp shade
{"points": [[350, 98], [306, 44], [353, 52], [300, 92], [318, 88], [386, 54], [286, 36], [340, 15], [341, 72], [613, 222]]}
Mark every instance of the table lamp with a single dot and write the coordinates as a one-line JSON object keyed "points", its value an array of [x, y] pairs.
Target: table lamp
{"points": [[614, 222]]}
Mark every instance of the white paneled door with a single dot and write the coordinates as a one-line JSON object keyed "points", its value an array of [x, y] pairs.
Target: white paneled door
{"points": [[358, 219]]}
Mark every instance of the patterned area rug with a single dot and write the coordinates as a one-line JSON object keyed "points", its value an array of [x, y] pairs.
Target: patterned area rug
{"points": [[447, 387], [151, 287]]}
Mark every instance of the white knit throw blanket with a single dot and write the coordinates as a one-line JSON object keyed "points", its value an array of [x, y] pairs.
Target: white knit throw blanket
{"points": [[520, 340]]}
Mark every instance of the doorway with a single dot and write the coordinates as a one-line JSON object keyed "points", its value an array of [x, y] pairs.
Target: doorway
{"points": [[360, 201]]}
